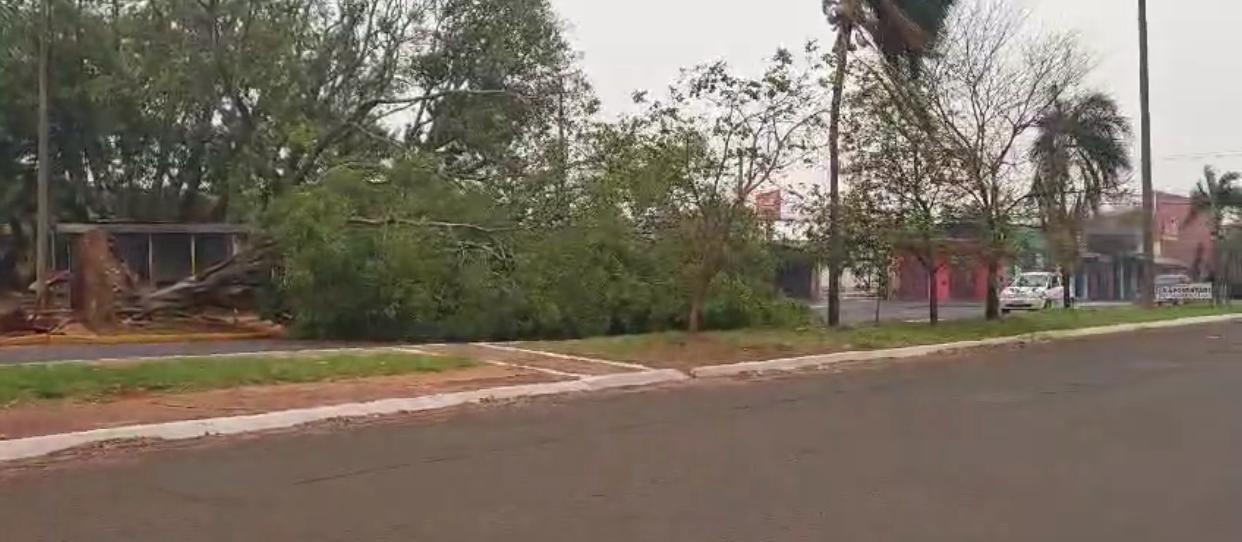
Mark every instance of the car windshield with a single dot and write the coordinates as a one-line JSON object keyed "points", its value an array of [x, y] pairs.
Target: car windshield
{"points": [[1031, 281]]}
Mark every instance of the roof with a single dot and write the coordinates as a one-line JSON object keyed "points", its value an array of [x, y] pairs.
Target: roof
{"points": [[155, 228]]}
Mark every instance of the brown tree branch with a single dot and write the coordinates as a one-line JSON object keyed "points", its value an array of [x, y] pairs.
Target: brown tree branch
{"points": [[419, 223]]}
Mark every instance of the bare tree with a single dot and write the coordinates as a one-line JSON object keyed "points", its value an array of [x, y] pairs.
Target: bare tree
{"points": [[905, 176], [986, 87]]}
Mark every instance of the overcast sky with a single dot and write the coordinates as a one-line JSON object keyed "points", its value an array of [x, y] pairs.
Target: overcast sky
{"points": [[1196, 58]]}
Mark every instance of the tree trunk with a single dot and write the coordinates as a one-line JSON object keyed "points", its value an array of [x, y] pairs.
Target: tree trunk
{"points": [[1218, 266], [993, 302], [695, 323], [698, 299], [836, 243], [1067, 295], [92, 292], [933, 296]]}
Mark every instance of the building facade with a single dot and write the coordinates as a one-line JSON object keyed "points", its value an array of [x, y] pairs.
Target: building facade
{"points": [[1111, 265]]}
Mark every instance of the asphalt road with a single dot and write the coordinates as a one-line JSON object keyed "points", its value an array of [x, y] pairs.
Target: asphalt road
{"points": [[1130, 438]]}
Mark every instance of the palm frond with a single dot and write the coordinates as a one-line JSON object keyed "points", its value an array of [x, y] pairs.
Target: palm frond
{"points": [[902, 30], [1216, 193], [1081, 152]]}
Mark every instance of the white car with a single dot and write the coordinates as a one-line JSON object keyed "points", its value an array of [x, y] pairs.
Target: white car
{"points": [[1033, 292]]}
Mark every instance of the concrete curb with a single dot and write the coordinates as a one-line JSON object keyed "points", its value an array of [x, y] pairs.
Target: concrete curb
{"points": [[26, 448], [823, 360]]}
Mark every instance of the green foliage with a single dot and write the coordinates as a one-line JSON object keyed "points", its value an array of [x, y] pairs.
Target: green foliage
{"points": [[205, 111], [407, 253], [429, 168], [719, 138], [741, 304]]}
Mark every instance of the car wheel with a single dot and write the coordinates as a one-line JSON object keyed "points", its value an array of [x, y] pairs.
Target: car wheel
{"points": [[1005, 311]]}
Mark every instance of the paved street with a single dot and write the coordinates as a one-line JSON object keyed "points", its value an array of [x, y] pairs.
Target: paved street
{"points": [[1127, 438]]}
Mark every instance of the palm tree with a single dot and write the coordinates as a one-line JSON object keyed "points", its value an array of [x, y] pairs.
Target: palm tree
{"points": [[1217, 196], [1081, 154], [902, 31]]}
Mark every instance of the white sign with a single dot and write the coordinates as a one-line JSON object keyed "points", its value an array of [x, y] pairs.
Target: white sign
{"points": [[1185, 292]]}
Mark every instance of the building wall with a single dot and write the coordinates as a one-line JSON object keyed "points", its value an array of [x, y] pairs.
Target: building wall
{"points": [[1189, 242], [957, 279], [1181, 246]]}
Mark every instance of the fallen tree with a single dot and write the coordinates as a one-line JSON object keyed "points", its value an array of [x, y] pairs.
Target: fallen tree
{"points": [[231, 284]]}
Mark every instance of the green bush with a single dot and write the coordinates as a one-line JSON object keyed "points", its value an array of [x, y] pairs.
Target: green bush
{"points": [[737, 304], [404, 276]]}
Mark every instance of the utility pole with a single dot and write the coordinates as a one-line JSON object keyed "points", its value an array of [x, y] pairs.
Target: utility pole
{"points": [[1148, 278], [43, 225]]}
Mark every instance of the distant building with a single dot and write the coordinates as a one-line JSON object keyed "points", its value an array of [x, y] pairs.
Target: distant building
{"points": [[1113, 249], [962, 272], [960, 275]]}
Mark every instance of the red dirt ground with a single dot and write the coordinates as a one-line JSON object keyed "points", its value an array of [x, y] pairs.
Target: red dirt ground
{"points": [[44, 418]]}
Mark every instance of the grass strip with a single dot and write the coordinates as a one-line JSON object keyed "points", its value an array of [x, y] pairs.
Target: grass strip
{"points": [[679, 349], [23, 383]]}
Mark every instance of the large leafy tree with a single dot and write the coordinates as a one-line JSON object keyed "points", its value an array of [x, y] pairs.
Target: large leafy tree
{"points": [[209, 109], [1081, 154], [903, 31], [231, 97], [1218, 196], [729, 136]]}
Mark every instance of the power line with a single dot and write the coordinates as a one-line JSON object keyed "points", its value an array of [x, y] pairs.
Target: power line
{"points": [[1202, 155]]}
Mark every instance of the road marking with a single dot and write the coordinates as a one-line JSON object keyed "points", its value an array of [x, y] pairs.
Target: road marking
{"points": [[553, 372], [621, 364]]}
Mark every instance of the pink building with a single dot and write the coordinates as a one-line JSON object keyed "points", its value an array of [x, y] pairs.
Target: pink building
{"points": [[960, 276]]}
